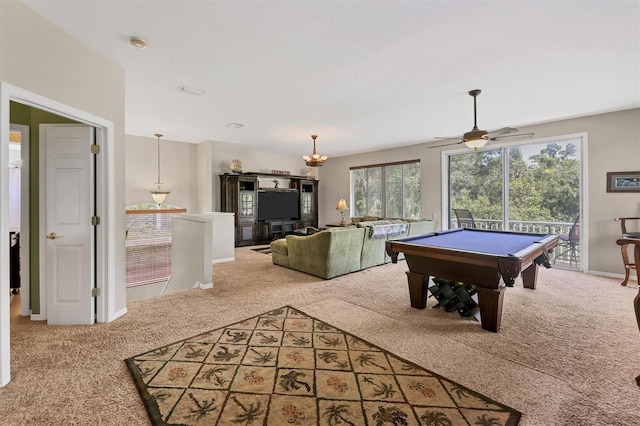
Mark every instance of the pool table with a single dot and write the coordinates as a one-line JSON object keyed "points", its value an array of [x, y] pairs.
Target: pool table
{"points": [[489, 259]]}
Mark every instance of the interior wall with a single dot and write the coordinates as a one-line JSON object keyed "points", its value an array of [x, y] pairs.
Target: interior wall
{"points": [[39, 57], [252, 161], [205, 178], [613, 145], [177, 171]]}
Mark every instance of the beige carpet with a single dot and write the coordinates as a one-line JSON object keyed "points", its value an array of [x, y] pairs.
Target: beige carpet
{"points": [[567, 353]]}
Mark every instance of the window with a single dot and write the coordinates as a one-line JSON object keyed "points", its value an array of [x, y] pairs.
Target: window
{"points": [[386, 190], [148, 244], [532, 187]]}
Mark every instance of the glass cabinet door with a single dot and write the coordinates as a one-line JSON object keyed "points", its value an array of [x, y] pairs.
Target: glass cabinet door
{"points": [[246, 204], [307, 203]]}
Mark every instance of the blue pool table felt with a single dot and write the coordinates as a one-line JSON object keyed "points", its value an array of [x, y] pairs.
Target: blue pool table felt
{"points": [[496, 243]]}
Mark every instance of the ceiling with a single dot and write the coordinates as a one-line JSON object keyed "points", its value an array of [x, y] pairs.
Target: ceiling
{"points": [[363, 75]]}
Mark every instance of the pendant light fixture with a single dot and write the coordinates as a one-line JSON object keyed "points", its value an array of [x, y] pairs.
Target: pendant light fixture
{"points": [[475, 138], [315, 160], [159, 195]]}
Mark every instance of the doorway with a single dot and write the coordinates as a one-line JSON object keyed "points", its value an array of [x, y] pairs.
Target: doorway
{"points": [[19, 212], [106, 270], [535, 188]]}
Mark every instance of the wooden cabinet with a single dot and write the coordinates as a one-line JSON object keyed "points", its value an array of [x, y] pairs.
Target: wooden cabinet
{"points": [[308, 190], [239, 195]]}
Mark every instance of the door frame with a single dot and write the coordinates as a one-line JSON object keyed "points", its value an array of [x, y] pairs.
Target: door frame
{"points": [[105, 200], [584, 184]]}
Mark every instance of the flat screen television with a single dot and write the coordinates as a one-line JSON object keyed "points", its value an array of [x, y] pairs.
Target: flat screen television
{"points": [[278, 205]]}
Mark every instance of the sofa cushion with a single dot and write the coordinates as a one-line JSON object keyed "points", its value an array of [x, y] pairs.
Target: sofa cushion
{"points": [[327, 254], [373, 249], [364, 219], [421, 226], [279, 252]]}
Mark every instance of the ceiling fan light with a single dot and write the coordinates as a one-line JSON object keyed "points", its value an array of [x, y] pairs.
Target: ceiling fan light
{"points": [[476, 143]]}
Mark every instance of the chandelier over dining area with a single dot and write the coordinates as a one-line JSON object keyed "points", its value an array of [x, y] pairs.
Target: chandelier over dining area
{"points": [[158, 194], [315, 160]]}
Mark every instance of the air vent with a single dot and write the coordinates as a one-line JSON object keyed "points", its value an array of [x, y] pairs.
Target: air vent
{"points": [[191, 90]]}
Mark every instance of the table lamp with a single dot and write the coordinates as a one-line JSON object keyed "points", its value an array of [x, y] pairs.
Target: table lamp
{"points": [[342, 206]]}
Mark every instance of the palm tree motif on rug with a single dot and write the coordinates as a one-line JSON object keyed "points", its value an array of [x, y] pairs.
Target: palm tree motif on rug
{"points": [[285, 367]]}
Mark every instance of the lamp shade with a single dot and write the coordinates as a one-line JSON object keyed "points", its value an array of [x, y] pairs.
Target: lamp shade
{"points": [[159, 196], [476, 143], [342, 205]]}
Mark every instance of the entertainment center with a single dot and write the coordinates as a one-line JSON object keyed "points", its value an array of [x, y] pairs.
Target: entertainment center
{"points": [[263, 214]]}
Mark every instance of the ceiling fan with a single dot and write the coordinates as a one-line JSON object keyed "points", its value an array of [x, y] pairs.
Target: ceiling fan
{"points": [[476, 138]]}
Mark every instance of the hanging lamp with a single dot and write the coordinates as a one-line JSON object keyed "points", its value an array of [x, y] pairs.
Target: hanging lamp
{"points": [[159, 195], [315, 160]]}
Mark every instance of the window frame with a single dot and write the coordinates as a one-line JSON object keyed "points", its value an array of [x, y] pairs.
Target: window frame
{"points": [[584, 185], [383, 184]]}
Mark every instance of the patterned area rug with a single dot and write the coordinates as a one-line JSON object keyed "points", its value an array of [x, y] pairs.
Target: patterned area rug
{"points": [[285, 367], [264, 250]]}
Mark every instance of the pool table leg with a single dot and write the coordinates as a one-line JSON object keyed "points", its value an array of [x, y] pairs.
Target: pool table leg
{"points": [[418, 289], [490, 304], [530, 276]]}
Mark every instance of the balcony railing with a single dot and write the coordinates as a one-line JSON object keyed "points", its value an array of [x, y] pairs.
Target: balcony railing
{"points": [[560, 257]]}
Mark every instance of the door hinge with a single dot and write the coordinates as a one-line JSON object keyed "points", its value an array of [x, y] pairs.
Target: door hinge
{"points": [[95, 149], [95, 292], [95, 220]]}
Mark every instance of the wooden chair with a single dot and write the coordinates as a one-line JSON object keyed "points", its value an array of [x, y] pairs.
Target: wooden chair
{"points": [[626, 234], [635, 242], [571, 242], [464, 218]]}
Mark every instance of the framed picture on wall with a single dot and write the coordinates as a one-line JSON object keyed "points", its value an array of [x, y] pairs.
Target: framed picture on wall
{"points": [[623, 182]]}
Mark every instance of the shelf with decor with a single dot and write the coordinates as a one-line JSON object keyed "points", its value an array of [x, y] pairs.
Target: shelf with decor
{"points": [[265, 214]]}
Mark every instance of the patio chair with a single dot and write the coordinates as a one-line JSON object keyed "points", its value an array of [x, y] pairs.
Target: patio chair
{"points": [[624, 246], [571, 244], [464, 218]]}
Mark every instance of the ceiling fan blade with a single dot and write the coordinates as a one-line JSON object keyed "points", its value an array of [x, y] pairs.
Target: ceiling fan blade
{"points": [[445, 144], [518, 136], [456, 138], [500, 132]]}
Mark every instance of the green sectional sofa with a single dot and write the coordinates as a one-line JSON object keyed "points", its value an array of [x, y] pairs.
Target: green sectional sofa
{"points": [[341, 250]]}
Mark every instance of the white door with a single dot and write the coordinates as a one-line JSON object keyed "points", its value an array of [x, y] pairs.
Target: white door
{"points": [[68, 275]]}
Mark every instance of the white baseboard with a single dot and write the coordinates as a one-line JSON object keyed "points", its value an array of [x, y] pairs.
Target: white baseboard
{"points": [[632, 276], [38, 317], [117, 315], [204, 286], [224, 259]]}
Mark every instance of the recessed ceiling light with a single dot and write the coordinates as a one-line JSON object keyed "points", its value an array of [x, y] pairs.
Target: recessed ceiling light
{"points": [[138, 42], [235, 125], [191, 90]]}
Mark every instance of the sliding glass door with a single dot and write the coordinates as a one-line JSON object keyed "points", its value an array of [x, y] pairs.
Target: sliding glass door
{"points": [[527, 188], [476, 184]]}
